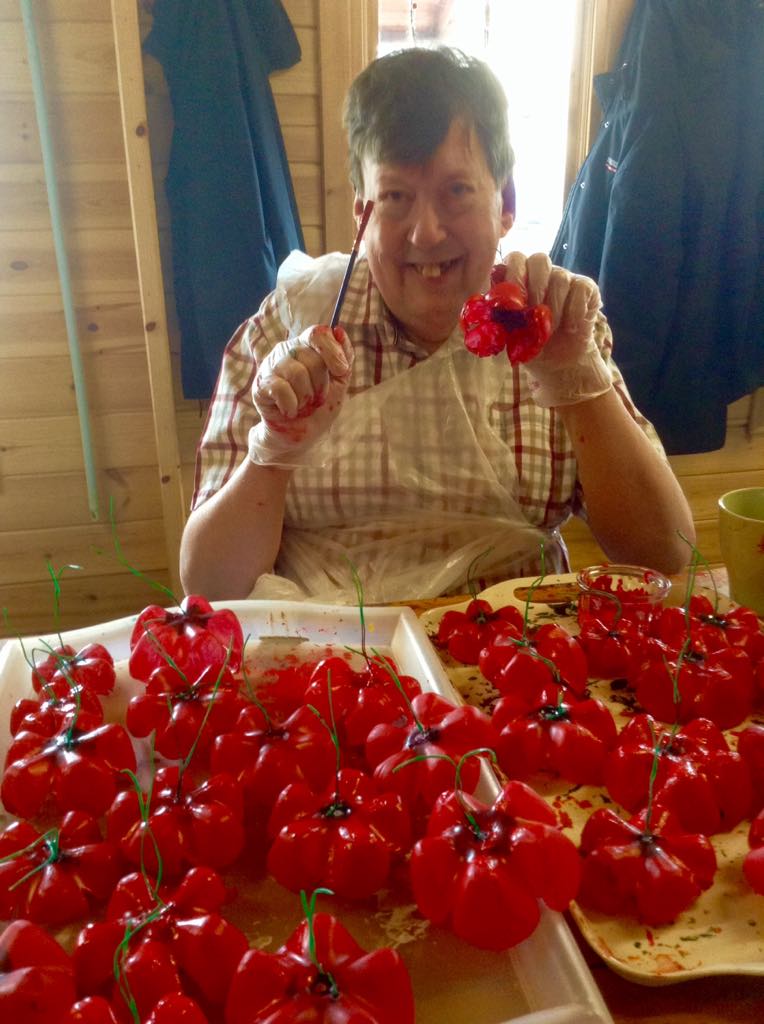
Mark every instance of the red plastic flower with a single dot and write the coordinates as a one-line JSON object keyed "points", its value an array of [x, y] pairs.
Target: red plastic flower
{"points": [[501, 319], [323, 978]]}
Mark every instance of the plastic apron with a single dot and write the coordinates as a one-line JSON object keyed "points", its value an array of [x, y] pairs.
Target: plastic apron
{"points": [[433, 484]]}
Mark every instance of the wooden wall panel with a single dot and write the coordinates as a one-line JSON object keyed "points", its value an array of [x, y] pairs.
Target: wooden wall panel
{"points": [[84, 128], [59, 10], [115, 383], [44, 509], [121, 437], [79, 56], [108, 322], [57, 499], [301, 79], [301, 12], [91, 547], [100, 260], [84, 600], [91, 196]]}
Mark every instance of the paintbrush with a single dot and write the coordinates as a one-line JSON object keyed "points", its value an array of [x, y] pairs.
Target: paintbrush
{"points": [[351, 262]]}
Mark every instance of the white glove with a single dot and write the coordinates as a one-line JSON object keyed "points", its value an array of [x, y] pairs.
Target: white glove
{"points": [[570, 367], [298, 391]]}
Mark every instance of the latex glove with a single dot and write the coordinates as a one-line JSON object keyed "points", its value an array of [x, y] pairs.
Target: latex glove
{"points": [[570, 367], [298, 391]]}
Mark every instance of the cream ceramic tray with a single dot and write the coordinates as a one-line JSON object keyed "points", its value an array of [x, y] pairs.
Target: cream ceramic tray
{"points": [[723, 933], [543, 981]]}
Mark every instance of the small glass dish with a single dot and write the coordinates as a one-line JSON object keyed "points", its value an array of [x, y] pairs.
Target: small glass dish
{"points": [[609, 592]]}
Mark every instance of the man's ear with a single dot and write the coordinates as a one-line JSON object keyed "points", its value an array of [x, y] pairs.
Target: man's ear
{"points": [[508, 205], [358, 205]]}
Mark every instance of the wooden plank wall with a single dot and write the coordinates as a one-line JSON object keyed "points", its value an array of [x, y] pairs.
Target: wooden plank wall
{"points": [[296, 92], [44, 513]]}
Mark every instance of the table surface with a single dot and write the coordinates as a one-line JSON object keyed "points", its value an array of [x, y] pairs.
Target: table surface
{"points": [[714, 1000]]}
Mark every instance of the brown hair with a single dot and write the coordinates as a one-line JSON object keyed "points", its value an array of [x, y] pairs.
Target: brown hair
{"points": [[400, 107]]}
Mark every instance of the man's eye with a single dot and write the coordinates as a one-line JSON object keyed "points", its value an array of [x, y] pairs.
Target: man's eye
{"points": [[394, 203]]}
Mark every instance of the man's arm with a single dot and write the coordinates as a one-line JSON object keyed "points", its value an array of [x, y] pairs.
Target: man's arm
{"points": [[635, 506], [234, 537], [297, 392]]}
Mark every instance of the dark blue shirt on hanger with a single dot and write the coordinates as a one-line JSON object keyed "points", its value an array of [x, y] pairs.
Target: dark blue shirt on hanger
{"points": [[232, 205], [667, 214]]}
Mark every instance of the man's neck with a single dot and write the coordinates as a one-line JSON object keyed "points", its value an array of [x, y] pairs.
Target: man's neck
{"points": [[427, 344]]}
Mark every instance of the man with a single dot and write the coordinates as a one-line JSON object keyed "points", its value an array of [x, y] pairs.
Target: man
{"points": [[385, 443]]}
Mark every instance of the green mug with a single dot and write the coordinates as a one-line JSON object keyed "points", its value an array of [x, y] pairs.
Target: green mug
{"points": [[741, 532]]}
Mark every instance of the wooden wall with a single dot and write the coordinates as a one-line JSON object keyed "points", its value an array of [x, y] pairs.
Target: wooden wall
{"points": [[44, 514]]}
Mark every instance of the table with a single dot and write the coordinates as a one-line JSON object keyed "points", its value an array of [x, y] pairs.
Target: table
{"points": [[714, 1000]]}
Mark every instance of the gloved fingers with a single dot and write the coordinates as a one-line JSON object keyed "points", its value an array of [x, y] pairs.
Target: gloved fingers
{"points": [[295, 375], [573, 299], [307, 373], [538, 269], [580, 305], [594, 302], [557, 294], [298, 391], [515, 262], [273, 395], [334, 348], [531, 272], [289, 379]]}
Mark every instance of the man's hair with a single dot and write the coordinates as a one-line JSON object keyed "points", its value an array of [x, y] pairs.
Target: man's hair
{"points": [[400, 107]]}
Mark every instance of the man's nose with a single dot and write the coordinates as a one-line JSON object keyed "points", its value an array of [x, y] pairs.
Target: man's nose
{"points": [[427, 228]]}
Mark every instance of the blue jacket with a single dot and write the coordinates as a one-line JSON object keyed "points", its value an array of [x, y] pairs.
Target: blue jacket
{"points": [[234, 215], [667, 213]]}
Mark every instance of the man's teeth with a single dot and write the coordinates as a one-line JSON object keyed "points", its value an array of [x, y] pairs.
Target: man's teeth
{"points": [[432, 269]]}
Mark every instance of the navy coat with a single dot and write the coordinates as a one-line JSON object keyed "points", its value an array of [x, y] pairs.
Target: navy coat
{"points": [[234, 215], [667, 213]]}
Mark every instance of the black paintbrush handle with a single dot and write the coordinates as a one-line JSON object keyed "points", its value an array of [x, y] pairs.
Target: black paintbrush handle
{"points": [[351, 263]]}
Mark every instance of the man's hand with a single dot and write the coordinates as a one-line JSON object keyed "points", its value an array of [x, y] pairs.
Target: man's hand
{"points": [[569, 369], [298, 391]]}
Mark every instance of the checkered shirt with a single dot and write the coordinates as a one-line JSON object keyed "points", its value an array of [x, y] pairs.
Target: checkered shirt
{"points": [[362, 487]]}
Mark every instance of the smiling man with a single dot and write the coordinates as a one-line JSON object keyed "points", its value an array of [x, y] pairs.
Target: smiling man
{"points": [[384, 443]]}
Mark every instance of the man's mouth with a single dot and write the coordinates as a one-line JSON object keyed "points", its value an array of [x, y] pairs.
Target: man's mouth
{"points": [[433, 270]]}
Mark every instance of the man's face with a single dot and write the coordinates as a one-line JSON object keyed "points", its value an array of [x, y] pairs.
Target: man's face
{"points": [[433, 234]]}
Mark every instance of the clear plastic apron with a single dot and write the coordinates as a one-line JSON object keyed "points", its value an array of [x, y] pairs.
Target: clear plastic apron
{"points": [[422, 484]]}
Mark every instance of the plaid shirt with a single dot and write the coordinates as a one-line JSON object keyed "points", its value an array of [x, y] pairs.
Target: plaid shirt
{"points": [[526, 446]]}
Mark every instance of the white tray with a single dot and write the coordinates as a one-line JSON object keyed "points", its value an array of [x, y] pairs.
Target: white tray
{"points": [[723, 932], [545, 980]]}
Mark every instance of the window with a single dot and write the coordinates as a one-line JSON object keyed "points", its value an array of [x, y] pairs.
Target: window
{"points": [[529, 44]]}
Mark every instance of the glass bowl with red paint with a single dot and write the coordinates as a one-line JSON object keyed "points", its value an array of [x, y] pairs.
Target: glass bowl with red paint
{"points": [[610, 592]]}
